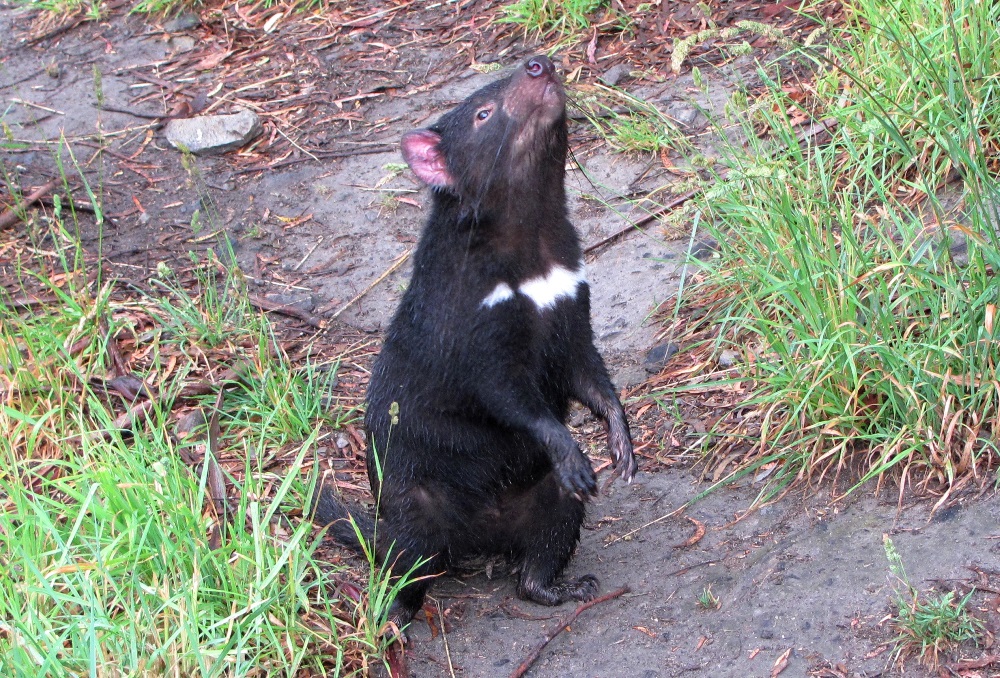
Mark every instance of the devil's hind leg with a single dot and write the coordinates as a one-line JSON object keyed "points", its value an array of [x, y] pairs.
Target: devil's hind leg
{"points": [[548, 545]]}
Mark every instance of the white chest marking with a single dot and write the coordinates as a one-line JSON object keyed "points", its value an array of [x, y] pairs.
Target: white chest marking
{"points": [[501, 292], [544, 290]]}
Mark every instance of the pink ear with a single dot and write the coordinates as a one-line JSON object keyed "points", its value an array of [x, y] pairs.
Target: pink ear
{"points": [[420, 150]]}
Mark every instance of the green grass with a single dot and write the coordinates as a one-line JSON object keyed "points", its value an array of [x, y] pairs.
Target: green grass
{"points": [[545, 17], [928, 624], [628, 124], [92, 9], [925, 81], [708, 600], [683, 47], [872, 345], [109, 569], [115, 558]]}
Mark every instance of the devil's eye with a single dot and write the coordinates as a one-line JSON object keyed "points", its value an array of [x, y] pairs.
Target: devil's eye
{"points": [[483, 114]]}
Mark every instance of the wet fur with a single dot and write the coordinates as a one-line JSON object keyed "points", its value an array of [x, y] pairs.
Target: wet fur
{"points": [[479, 461]]}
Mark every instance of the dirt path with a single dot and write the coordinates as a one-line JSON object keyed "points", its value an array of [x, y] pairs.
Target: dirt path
{"points": [[799, 575]]}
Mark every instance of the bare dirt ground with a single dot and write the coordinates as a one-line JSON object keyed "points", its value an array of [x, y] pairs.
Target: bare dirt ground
{"points": [[316, 218]]}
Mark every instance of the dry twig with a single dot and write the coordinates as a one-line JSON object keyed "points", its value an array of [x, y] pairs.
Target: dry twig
{"points": [[11, 216], [284, 309], [563, 625], [396, 264]]}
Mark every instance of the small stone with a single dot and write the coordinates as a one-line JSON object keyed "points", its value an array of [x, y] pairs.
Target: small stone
{"points": [[181, 22], [303, 302], [614, 74], [205, 134], [766, 634], [729, 357], [687, 117], [658, 356], [577, 417], [188, 423], [704, 249], [182, 43], [630, 376], [342, 442]]}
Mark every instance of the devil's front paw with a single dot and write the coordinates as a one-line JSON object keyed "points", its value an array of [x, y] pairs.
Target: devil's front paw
{"points": [[576, 475], [620, 443]]}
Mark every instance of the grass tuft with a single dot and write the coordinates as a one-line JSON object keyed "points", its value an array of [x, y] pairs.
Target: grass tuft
{"points": [[856, 270], [629, 124], [129, 546], [545, 17], [708, 600], [928, 624], [92, 9]]}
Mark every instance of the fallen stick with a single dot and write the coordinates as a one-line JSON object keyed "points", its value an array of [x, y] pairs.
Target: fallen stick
{"points": [[229, 377], [118, 362], [58, 30], [11, 216], [285, 309], [27, 303], [984, 663], [651, 522], [636, 225], [563, 625], [688, 568], [332, 155], [396, 264], [124, 422]]}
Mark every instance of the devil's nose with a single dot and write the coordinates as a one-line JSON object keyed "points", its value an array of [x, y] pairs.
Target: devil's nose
{"points": [[539, 65]]}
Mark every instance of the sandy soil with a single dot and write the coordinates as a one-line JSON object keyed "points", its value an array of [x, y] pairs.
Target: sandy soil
{"points": [[803, 576]]}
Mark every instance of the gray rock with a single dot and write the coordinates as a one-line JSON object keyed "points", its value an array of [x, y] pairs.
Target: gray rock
{"points": [[303, 302], [181, 22], [658, 356], [688, 117], [728, 358], [704, 249], [206, 134], [182, 43], [191, 423], [614, 74], [960, 250], [630, 376]]}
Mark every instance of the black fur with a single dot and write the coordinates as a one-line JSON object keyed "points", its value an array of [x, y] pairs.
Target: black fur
{"points": [[478, 459]]}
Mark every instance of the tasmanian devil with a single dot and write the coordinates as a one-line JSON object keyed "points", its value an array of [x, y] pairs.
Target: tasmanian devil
{"points": [[468, 452]]}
